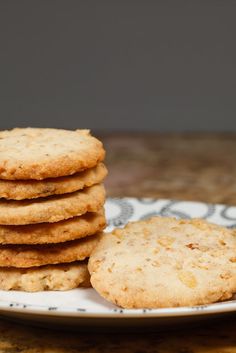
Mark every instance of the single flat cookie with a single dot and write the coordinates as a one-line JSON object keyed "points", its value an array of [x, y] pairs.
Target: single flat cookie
{"points": [[30, 189], [164, 262], [43, 233], [53, 208], [39, 255], [33, 153], [51, 277]]}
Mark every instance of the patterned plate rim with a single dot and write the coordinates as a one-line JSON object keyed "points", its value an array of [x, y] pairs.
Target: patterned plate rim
{"points": [[216, 308]]}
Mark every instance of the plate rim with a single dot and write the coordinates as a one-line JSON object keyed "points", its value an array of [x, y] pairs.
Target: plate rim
{"points": [[40, 310]]}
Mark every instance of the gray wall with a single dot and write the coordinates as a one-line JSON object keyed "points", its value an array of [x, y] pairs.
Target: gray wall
{"points": [[137, 65]]}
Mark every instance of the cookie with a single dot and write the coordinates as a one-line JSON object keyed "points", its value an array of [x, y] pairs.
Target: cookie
{"points": [[51, 277], [164, 262], [39, 255], [30, 189], [52, 208], [33, 153], [43, 233]]}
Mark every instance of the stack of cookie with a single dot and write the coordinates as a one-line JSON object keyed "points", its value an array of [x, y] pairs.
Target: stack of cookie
{"points": [[51, 207]]}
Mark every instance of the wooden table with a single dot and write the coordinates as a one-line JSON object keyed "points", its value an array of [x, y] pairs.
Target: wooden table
{"points": [[182, 166], [178, 166]]}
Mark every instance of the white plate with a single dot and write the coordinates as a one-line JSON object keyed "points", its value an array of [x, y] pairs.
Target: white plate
{"points": [[86, 307]]}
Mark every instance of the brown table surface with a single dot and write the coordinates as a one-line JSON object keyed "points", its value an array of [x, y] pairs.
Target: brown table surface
{"points": [[177, 166]]}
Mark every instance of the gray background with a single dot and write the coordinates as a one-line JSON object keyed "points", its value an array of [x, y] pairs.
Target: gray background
{"points": [[118, 65]]}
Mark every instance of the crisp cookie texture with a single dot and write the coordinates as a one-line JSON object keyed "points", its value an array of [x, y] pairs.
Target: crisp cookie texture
{"points": [[38, 255], [33, 153], [51, 277], [30, 189], [53, 208], [70, 229], [164, 262]]}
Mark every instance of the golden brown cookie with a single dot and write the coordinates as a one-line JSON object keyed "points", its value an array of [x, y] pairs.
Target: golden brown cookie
{"points": [[30, 189], [33, 153], [43, 233], [39, 255], [52, 208], [50, 277], [164, 262]]}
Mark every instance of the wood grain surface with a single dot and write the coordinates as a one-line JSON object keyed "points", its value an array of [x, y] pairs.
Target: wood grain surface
{"points": [[178, 166]]}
